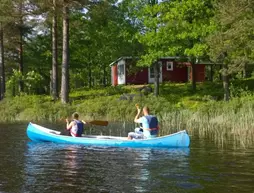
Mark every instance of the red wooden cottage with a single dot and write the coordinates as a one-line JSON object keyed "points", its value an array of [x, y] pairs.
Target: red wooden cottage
{"points": [[124, 71]]}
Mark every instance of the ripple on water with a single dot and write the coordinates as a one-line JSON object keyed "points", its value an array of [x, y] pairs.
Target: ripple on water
{"points": [[98, 168], [47, 167]]}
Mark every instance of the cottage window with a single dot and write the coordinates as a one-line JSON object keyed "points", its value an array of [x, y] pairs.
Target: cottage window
{"points": [[169, 66]]}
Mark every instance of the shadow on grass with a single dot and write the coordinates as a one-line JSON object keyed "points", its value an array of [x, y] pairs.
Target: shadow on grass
{"points": [[172, 92], [204, 91]]}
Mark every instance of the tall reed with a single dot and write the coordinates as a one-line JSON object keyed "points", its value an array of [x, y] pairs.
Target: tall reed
{"points": [[220, 121]]}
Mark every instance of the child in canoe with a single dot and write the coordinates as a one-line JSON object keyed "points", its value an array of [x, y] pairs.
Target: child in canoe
{"points": [[74, 128]]}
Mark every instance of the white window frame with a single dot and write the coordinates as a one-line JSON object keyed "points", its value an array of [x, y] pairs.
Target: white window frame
{"points": [[171, 65]]}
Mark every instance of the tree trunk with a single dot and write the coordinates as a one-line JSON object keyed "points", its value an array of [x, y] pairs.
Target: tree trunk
{"points": [[156, 78], [54, 77], [104, 76], [65, 57], [21, 62], [2, 69], [89, 76], [193, 76], [225, 78]]}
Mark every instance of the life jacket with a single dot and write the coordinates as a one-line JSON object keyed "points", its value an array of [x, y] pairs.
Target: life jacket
{"points": [[153, 124], [77, 129]]}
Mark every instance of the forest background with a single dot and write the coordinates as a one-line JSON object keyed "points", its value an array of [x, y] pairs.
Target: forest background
{"points": [[55, 56]]}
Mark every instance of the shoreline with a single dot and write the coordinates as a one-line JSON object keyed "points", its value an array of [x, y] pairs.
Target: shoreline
{"points": [[218, 119]]}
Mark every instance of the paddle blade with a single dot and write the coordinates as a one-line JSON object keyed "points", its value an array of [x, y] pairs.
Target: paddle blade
{"points": [[99, 122]]}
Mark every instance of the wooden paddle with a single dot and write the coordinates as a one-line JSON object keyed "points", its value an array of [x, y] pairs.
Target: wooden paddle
{"points": [[97, 122], [94, 122]]}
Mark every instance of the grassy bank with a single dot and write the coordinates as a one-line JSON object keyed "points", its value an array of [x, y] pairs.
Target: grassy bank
{"points": [[202, 113]]}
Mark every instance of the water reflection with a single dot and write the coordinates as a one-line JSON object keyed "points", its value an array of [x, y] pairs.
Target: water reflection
{"points": [[154, 166], [46, 167], [52, 168], [70, 160]]}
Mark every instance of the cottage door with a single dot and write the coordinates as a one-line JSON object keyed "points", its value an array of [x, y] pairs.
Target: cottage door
{"points": [[151, 74], [121, 72]]}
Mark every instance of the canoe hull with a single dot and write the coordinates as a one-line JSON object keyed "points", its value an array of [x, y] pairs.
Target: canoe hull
{"points": [[38, 133]]}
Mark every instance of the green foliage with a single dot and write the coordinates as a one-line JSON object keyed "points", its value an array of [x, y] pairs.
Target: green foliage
{"points": [[104, 34], [12, 84], [232, 41], [78, 78], [37, 53], [33, 82], [175, 28], [187, 24], [33, 108]]}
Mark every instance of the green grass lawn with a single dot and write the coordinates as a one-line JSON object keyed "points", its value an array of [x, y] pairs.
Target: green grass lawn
{"points": [[106, 103]]}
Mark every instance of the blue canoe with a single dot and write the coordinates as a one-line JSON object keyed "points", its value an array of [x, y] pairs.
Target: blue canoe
{"points": [[38, 133]]}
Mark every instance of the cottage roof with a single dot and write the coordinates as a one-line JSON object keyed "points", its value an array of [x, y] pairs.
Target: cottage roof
{"points": [[198, 61], [131, 57], [121, 58]]}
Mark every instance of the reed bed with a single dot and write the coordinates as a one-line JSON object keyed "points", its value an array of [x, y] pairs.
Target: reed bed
{"points": [[231, 122]]}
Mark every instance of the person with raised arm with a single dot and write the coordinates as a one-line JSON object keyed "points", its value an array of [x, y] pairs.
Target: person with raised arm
{"points": [[150, 125]]}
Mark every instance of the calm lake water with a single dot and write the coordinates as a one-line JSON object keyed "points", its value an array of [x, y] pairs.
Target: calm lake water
{"points": [[47, 167]]}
